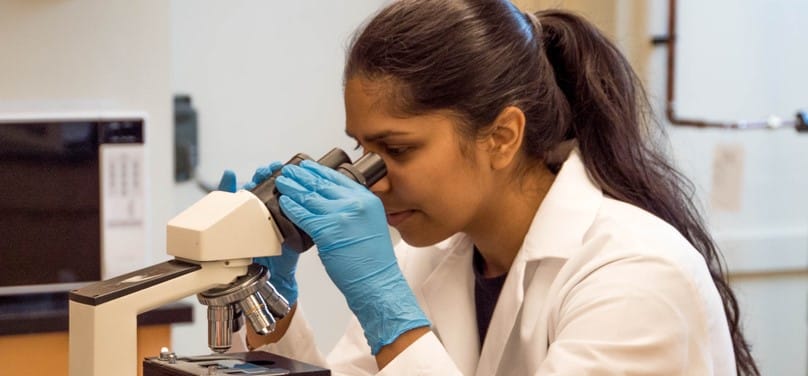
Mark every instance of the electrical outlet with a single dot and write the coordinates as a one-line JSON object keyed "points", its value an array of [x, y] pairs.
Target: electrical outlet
{"points": [[727, 183]]}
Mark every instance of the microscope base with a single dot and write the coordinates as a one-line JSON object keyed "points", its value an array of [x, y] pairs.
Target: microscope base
{"points": [[256, 363]]}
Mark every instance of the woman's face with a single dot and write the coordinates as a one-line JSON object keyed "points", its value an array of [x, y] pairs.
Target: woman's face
{"points": [[431, 190]]}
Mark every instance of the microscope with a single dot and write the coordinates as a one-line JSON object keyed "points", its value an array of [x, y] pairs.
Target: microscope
{"points": [[213, 243]]}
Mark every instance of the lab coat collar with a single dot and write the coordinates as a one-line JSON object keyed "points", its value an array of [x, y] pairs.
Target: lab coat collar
{"points": [[565, 214], [449, 298], [559, 225]]}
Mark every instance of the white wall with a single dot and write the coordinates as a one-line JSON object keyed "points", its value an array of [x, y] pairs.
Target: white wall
{"points": [[266, 79], [91, 55], [742, 60], [745, 60]]}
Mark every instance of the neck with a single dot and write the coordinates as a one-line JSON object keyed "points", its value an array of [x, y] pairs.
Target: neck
{"points": [[504, 222]]}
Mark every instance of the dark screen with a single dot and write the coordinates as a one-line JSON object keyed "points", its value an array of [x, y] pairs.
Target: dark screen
{"points": [[50, 230]]}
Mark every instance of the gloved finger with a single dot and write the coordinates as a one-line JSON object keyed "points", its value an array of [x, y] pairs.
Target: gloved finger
{"points": [[275, 166], [290, 187], [317, 183], [228, 181], [305, 177], [262, 173], [296, 212], [330, 174], [303, 196]]}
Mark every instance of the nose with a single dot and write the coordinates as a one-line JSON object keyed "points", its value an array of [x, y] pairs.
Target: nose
{"points": [[381, 186]]}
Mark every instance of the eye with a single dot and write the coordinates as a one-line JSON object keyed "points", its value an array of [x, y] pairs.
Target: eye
{"points": [[397, 151], [358, 146]]}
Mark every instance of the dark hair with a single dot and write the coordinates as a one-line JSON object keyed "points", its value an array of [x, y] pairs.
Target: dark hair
{"points": [[476, 57]]}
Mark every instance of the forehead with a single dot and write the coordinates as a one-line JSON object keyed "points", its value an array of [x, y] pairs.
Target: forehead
{"points": [[369, 111]]}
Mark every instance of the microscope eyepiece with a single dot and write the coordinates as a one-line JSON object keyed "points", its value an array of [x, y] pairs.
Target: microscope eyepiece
{"points": [[367, 170]]}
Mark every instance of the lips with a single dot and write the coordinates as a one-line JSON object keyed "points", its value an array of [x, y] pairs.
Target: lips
{"points": [[395, 218]]}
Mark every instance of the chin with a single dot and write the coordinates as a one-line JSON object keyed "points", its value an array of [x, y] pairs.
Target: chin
{"points": [[421, 238]]}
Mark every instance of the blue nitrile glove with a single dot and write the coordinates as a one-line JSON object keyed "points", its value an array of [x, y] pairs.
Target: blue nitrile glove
{"points": [[348, 225], [281, 268]]}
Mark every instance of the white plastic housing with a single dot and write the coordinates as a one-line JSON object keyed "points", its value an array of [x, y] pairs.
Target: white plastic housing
{"points": [[223, 226]]}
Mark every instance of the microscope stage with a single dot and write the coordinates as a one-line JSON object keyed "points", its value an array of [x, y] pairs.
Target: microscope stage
{"points": [[254, 363]]}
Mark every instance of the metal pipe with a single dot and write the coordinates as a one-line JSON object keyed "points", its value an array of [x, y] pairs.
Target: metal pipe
{"points": [[670, 102]]}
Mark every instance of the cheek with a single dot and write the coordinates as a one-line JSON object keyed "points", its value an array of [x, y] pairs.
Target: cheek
{"points": [[446, 197], [434, 185]]}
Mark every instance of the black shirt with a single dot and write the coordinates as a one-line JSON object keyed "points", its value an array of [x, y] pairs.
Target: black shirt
{"points": [[486, 293]]}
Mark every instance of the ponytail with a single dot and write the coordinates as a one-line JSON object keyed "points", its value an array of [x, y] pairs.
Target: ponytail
{"points": [[608, 117]]}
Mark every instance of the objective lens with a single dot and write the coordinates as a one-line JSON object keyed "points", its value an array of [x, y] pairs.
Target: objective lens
{"points": [[220, 321], [277, 304], [255, 309], [229, 305]]}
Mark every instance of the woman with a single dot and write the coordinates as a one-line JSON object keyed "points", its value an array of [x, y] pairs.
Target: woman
{"points": [[543, 233]]}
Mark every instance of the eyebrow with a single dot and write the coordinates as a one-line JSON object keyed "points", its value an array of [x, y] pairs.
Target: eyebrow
{"points": [[378, 136]]}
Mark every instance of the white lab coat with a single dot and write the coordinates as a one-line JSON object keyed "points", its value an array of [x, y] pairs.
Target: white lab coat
{"points": [[599, 287]]}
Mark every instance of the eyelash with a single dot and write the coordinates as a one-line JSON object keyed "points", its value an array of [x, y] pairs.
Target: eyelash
{"points": [[397, 152], [393, 152]]}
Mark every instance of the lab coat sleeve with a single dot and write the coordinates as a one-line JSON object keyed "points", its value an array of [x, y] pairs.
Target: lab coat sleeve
{"points": [[638, 315], [298, 342], [351, 354], [426, 356]]}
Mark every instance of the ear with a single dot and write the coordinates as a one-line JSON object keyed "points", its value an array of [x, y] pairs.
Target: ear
{"points": [[506, 137]]}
